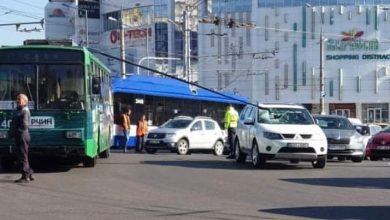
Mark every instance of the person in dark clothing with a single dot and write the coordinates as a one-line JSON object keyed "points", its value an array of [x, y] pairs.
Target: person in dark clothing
{"points": [[19, 130]]}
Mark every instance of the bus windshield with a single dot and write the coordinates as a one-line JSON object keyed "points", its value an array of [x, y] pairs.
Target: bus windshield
{"points": [[47, 86]]}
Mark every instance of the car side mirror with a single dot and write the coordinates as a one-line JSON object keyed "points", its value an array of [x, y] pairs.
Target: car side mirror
{"points": [[249, 121], [316, 121]]}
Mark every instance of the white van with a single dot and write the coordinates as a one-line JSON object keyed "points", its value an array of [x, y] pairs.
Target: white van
{"points": [[279, 131]]}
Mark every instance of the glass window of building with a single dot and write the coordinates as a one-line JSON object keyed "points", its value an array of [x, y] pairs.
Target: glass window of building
{"points": [[290, 3], [160, 8], [109, 24], [229, 6]]}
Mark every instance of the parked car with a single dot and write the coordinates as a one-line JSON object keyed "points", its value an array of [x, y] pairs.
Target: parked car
{"points": [[183, 133], [343, 139], [279, 131], [355, 121], [367, 131], [378, 146]]}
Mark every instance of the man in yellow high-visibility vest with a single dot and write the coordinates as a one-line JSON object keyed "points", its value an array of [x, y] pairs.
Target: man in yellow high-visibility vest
{"points": [[231, 120]]}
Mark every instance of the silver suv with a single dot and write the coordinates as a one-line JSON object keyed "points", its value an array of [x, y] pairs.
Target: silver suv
{"points": [[279, 131]]}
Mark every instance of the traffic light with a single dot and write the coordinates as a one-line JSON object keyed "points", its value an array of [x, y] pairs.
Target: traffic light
{"points": [[217, 21], [231, 23]]}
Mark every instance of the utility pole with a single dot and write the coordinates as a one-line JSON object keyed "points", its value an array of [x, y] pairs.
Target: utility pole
{"points": [[186, 43], [86, 27], [122, 47], [322, 78]]}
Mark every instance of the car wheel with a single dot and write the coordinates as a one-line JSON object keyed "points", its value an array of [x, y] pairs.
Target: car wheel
{"points": [[150, 150], [357, 159], [182, 147], [218, 148], [238, 154], [257, 160], [319, 163]]}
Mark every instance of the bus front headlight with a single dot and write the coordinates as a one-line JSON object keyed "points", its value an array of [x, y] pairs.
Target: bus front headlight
{"points": [[73, 134]]}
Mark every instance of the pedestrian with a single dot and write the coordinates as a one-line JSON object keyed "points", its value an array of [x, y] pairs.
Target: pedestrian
{"points": [[125, 125], [231, 119], [142, 129], [19, 130]]}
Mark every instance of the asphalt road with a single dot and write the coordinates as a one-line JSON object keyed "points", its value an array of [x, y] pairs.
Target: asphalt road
{"points": [[197, 186]]}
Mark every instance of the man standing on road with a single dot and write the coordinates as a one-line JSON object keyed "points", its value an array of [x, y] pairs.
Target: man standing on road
{"points": [[125, 125], [231, 119], [19, 130]]}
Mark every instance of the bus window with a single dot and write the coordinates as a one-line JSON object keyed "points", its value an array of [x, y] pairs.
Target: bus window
{"points": [[96, 85], [15, 79], [60, 87]]}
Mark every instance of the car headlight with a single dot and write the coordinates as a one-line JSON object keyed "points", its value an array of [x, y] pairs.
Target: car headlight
{"points": [[170, 135], [356, 139], [272, 136], [73, 134], [3, 134]]}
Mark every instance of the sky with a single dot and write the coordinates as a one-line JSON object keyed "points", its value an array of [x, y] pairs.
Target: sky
{"points": [[15, 11]]}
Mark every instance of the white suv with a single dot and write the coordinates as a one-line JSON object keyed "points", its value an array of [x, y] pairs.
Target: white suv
{"points": [[279, 131], [183, 133]]}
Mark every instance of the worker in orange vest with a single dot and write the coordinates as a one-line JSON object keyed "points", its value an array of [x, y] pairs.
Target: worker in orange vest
{"points": [[142, 129]]}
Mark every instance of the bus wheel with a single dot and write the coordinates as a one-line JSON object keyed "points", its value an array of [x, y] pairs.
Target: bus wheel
{"points": [[105, 154], [89, 161], [7, 163]]}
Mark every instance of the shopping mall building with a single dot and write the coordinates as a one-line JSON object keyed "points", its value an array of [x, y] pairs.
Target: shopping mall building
{"points": [[278, 60], [267, 50]]}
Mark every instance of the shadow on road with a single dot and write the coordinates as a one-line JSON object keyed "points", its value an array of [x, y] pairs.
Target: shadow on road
{"points": [[335, 212], [218, 164], [48, 165], [365, 183]]}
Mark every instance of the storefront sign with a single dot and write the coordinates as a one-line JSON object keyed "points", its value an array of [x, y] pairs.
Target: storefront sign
{"points": [[351, 42], [358, 57], [130, 34], [92, 6]]}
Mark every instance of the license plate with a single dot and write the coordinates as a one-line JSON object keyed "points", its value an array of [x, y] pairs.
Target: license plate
{"points": [[383, 147], [299, 145], [336, 147], [154, 142]]}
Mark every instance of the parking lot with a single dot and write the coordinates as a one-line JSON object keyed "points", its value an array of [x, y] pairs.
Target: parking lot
{"points": [[197, 186]]}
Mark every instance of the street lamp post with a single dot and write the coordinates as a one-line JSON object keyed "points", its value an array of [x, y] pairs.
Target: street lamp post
{"points": [[86, 21], [322, 69], [122, 41], [122, 46], [322, 77]]}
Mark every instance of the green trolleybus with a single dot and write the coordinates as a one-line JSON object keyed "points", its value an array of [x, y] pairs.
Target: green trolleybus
{"points": [[70, 101]]}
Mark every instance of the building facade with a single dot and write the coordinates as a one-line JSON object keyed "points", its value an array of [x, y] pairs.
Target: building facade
{"points": [[153, 31], [279, 59]]}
